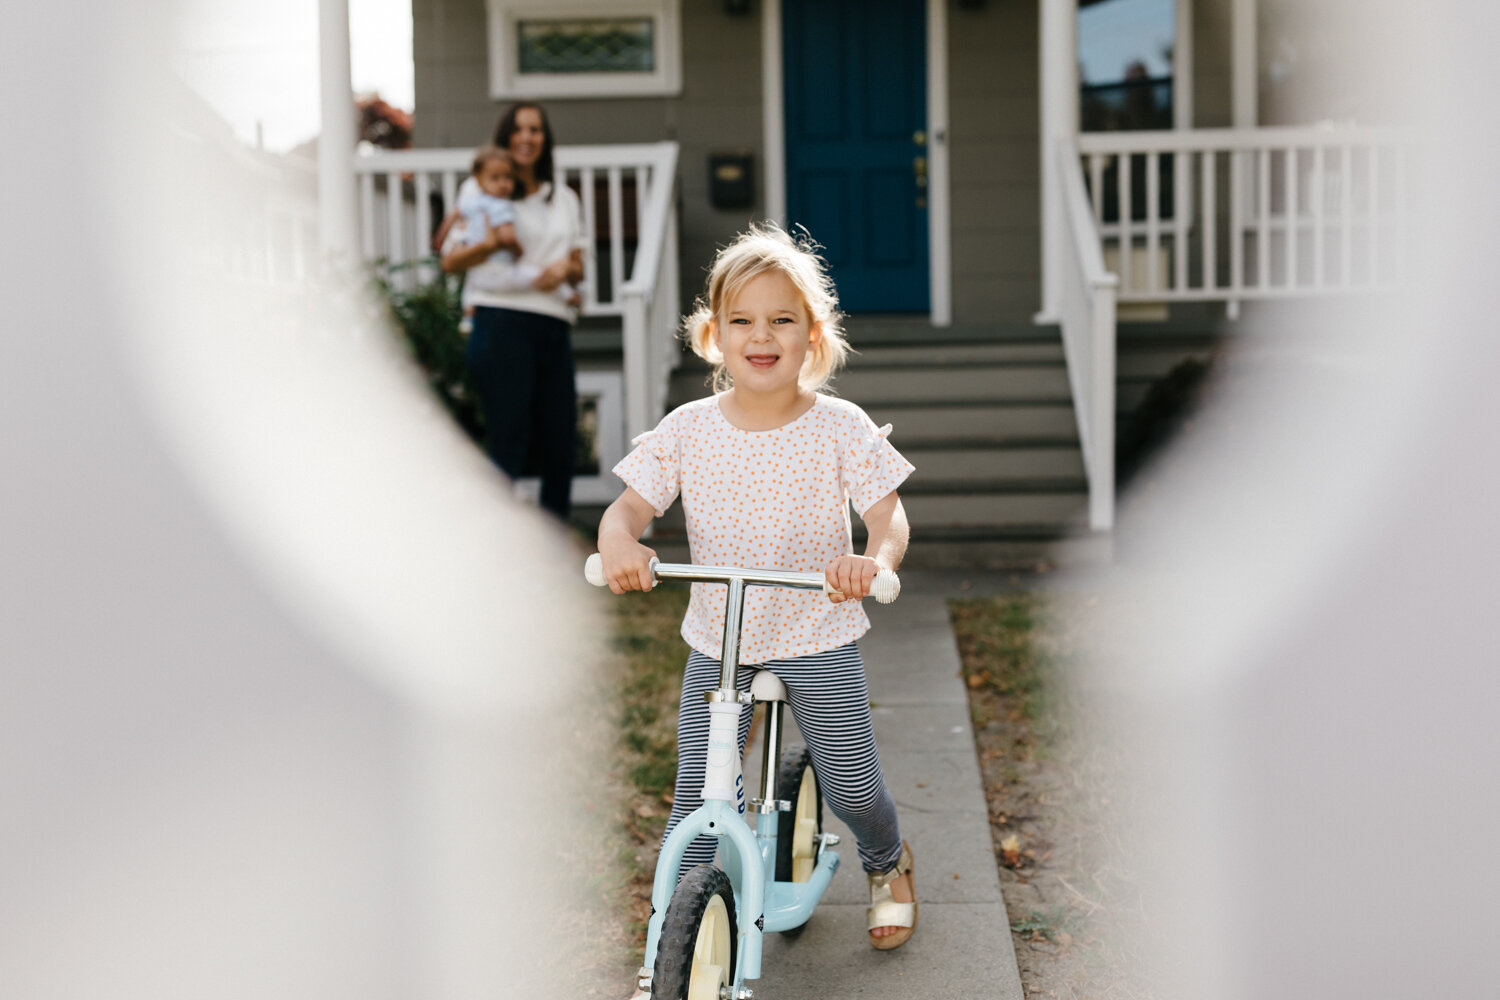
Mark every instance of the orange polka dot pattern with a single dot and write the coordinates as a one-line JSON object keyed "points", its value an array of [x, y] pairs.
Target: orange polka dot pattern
{"points": [[776, 499]]}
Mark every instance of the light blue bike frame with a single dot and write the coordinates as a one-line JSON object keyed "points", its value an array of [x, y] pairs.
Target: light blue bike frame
{"points": [[761, 903]]}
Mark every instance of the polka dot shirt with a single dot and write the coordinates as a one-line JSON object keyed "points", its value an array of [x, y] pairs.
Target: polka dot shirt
{"points": [[776, 499]]}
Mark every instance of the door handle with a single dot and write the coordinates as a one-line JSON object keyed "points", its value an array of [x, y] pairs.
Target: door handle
{"points": [[919, 168]]}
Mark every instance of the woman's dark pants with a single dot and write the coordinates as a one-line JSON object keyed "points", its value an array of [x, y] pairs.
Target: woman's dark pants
{"points": [[522, 365]]}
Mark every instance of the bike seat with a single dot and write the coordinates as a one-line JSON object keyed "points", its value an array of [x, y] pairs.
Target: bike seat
{"points": [[767, 687]]}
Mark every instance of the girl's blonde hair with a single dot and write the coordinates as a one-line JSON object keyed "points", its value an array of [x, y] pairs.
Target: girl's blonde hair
{"points": [[766, 247]]}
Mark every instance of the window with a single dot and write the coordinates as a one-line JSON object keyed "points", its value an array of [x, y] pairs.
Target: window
{"points": [[1125, 68], [584, 48], [1125, 64]]}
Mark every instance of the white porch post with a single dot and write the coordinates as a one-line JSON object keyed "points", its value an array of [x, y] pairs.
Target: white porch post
{"points": [[1244, 65], [1244, 73], [336, 207], [1059, 113]]}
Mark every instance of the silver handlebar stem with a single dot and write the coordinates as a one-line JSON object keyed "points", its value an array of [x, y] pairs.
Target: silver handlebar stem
{"points": [[734, 612], [734, 608]]}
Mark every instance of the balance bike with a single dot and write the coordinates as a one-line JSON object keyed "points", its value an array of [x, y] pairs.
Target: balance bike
{"points": [[705, 935]]}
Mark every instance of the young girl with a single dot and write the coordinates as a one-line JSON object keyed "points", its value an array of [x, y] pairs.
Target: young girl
{"points": [[766, 470]]}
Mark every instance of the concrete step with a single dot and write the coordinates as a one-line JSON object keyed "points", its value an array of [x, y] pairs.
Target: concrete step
{"points": [[981, 463], [953, 506], [931, 355], [938, 355], [971, 383], [939, 420], [864, 331], [870, 385]]}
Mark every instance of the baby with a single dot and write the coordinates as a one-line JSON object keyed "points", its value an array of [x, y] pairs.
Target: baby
{"points": [[484, 203]]}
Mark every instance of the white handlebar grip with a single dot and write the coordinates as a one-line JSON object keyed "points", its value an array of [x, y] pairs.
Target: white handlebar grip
{"points": [[593, 570], [885, 588]]}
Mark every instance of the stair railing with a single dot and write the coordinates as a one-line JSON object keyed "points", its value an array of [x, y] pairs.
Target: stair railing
{"points": [[650, 302], [629, 206], [1087, 317]]}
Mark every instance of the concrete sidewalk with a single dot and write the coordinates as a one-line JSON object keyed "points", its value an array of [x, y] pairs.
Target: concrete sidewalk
{"points": [[962, 947]]}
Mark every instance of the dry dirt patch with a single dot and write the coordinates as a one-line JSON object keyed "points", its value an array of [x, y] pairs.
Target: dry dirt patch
{"points": [[1048, 772]]}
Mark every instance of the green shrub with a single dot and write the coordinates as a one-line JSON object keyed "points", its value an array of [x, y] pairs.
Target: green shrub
{"points": [[427, 314]]}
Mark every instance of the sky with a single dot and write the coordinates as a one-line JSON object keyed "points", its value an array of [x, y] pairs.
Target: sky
{"points": [[256, 61]]}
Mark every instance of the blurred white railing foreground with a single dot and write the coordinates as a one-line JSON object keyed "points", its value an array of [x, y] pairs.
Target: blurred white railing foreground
{"points": [[628, 205]]}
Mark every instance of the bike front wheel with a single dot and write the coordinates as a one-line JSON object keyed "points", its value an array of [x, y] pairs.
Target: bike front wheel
{"points": [[695, 954]]}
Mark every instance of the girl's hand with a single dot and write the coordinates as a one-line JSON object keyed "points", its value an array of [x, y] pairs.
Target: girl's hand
{"points": [[552, 275], [627, 564], [851, 576]]}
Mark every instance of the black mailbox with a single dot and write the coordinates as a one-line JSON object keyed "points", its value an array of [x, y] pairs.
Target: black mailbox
{"points": [[730, 184]]}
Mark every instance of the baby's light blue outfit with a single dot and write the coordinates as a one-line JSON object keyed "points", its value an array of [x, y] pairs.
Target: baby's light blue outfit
{"points": [[482, 212]]}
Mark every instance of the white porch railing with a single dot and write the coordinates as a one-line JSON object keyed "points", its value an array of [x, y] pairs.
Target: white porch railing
{"points": [[1231, 214], [1215, 215], [1087, 317], [627, 197]]}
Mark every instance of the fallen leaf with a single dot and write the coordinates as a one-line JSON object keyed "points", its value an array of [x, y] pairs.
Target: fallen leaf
{"points": [[1010, 851]]}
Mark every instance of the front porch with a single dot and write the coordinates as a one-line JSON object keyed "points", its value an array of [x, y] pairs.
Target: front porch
{"points": [[1133, 225]]}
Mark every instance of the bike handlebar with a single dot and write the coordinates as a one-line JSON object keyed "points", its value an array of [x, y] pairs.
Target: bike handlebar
{"points": [[885, 588]]}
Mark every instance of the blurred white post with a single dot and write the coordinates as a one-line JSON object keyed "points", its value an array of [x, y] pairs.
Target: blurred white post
{"points": [[336, 202], [1059, 109], [1244, 65]]}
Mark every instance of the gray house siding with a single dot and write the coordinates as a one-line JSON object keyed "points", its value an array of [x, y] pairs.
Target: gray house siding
{"points": [[1213, 48], [719, 108], [993, 132], [995, 168]]}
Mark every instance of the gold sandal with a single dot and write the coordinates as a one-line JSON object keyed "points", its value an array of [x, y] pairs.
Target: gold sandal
{"points": [[885, 911]]}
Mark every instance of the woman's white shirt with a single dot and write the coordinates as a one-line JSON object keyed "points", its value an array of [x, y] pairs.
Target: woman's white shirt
{"points": [[548, 231]]}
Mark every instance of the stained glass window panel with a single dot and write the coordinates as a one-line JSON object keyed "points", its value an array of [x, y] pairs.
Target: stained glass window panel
{"points": [[595, 45]]}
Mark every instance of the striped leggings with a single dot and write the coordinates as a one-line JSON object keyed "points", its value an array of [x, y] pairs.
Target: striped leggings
{"points": [[831, 703]]}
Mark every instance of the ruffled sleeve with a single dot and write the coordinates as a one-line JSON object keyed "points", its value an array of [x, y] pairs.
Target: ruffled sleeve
{"points": [[872, 467], [654, 467]]}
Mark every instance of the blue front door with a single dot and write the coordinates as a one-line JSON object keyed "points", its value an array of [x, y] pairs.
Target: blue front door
{"points": [[856, 110]]}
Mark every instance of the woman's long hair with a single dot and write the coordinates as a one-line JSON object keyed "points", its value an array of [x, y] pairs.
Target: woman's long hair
{"points": [[541, 173]]}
